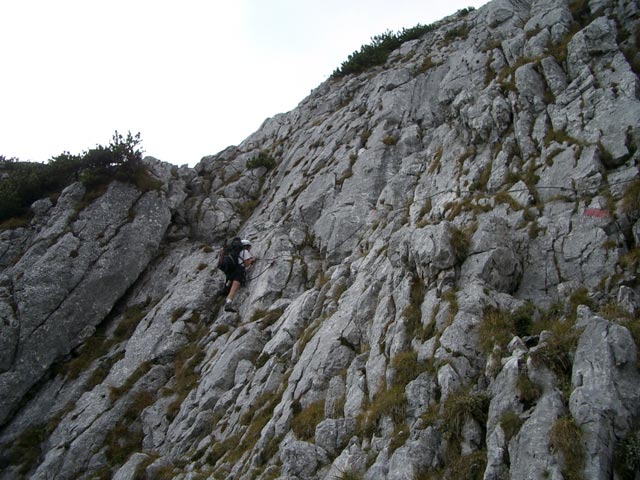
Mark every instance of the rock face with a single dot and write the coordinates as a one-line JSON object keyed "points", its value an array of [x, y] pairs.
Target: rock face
{"points": [[447, 281]]}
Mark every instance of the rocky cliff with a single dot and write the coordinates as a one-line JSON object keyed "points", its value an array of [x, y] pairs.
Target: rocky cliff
{"points": [[447, 284]]}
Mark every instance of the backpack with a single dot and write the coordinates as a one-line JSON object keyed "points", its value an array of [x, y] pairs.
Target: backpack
{"points": [[228, 258]]}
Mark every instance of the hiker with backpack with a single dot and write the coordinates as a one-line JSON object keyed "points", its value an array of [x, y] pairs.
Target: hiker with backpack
{"points": [[234, 261]]}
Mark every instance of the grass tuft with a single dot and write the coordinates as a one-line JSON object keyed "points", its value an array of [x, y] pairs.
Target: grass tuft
{"points": [[565, 439], [305, 420], [388, 403]]}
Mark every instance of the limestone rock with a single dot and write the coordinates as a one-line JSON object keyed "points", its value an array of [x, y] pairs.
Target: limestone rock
{"points": [[605, 398], [465, 195]]}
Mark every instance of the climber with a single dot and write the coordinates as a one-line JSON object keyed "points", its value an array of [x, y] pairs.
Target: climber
{"points": [[234, 263]]}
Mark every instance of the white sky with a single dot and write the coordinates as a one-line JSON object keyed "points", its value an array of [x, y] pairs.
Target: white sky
{"points": [[192, 76]]}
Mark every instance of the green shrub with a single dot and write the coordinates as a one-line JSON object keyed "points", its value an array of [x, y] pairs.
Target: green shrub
{"points": [[263, 159], [27, 182], [377, 52], [463, 12]]}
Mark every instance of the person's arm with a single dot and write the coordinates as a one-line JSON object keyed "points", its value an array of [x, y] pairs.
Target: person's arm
{"points": [[247, 258]]}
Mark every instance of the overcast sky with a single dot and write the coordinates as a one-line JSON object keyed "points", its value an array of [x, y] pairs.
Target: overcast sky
{"points": [[193, 76]]}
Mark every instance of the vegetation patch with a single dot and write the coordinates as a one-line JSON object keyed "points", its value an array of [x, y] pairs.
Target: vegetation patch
{"points": [[256, 419], [377, 52], [498, 327], [627, 456], [413, 312], [126, 437], [265, 318], [390, 403], [27, 448], [426, 65], [510, 422], [469, 467], [528, 391], [305, 419], [506, 198], [406, 367], [27, 182], [451, 297], [116, 392], [350, 475], [100, 344], [458, 32], [263, 159], [461, 242], [390, 140], [556, 353], [245, 209], [565, 439], [461, 407], [185, 374], [630, 203]]}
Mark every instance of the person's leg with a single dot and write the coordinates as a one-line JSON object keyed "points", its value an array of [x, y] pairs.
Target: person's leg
{"points": [[235, 285], [228, 306]]}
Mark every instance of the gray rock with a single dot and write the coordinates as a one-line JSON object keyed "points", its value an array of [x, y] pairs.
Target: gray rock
{"points": [[301, 459], [421, 393], [605, 398], [417, 454], [475, 131], [628, 300], [129, 470], [356, 387], [9, 334], [334, 402], [333, 434], [70, 288], [493, 258], [431, 249], [353, 460], [529, 449]]}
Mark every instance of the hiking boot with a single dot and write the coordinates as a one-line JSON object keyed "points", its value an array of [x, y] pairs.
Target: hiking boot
{"points": [[230, 308]]}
